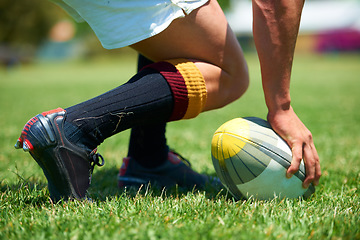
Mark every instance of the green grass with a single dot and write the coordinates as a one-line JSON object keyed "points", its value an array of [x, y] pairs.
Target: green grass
{"points": [[325, 94]]}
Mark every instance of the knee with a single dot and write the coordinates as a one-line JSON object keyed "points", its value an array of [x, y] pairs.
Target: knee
{"points": [[224, 85]]}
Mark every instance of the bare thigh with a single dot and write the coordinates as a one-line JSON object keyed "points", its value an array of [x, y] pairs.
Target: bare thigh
{"points": [[205, 37]]}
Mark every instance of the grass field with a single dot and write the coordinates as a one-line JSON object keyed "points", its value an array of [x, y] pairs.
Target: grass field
{"points": [[325, 94]]}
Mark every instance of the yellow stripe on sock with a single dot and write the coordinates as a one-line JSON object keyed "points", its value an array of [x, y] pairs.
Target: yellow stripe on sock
{"points": [[195, 84]]}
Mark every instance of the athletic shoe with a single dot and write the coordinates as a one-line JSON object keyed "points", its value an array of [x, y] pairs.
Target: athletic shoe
{"points": [[67, 167], [175, 171]]}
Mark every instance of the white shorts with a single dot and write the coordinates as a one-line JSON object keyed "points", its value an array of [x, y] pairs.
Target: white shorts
{"points": [[120, 23]]}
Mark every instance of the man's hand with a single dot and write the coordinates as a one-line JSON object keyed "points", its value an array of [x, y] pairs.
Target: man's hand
{"points": [[299, 138]]}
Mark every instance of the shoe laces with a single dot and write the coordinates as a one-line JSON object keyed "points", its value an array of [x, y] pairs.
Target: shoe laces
{"points": [[184, 160], [95, 159]]}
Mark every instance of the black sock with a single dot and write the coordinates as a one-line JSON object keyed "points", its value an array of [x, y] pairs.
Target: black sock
{"points": [[148, 142], [148, 145], [162, 92], [145, 99]]}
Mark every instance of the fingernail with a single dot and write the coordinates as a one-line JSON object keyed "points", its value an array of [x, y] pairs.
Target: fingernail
{"points": [[305, 186], [289, 175]]}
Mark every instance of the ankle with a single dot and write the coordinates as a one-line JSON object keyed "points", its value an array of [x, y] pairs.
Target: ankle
{"points": [[77, 137]]}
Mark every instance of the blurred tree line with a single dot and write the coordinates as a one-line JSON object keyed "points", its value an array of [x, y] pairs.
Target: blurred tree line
{"points": [[26, 23]]}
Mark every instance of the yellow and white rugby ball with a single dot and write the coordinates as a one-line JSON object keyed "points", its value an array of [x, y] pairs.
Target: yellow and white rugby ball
{"points": [[251, 160]]}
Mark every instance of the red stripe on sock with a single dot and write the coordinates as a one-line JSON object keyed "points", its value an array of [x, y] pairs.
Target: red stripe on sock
{"points": [[177, 85]]}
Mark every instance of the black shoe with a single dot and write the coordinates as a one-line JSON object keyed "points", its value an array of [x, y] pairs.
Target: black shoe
{"points": [[175, 171], [67, 167]]}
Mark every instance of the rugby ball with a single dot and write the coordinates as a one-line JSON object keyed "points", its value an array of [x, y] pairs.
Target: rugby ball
{"points": [[251, 161]]}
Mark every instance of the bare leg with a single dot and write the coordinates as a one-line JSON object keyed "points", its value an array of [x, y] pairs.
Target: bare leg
{"points": [[205, 37]]}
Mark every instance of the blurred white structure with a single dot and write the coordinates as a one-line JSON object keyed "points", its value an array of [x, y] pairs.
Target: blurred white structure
{"points": [[330, 15], [318, 16]]}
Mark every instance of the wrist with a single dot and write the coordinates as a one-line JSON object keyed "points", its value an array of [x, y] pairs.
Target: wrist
{"points": [[276, 117], [278, 104]]}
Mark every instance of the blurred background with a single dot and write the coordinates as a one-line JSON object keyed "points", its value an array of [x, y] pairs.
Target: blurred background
{"points": [[35, 30]]}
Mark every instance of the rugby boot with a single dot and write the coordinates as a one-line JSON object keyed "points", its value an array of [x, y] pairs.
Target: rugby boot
{"points": [[175, 171], [67, 167]]}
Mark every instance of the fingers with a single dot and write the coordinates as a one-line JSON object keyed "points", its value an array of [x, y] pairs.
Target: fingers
{"points": [[309, 166], [299, 138], [317, 166], [308, 153], [296, 160]]}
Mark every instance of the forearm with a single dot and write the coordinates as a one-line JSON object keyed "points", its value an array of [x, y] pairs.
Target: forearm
{"points": [[275, 27]]}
